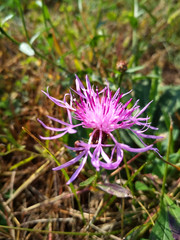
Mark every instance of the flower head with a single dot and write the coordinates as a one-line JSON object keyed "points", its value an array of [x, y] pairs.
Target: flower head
{"points": [[104, 113]]}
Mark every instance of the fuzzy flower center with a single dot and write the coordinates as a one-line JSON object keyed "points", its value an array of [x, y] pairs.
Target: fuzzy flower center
{"points": [[101, 112]]}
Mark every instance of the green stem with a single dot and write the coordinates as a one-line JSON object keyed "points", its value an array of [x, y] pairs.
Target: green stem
{"points": [[8, 36], [44, 16], [60, 232], [126, 167], [22, 18], [112, 199], [47, 20], [120, 79], [36, 52], [134, 33], [95, 181], [128, 176], [135, 174], [49, 61], [167, 159]]}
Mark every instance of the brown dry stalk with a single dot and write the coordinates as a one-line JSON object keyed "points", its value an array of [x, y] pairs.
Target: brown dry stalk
{"points": [[35, 175]]}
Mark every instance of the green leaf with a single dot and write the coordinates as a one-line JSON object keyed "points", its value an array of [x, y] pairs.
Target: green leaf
{"points": [[133, 21], [167, 103], [87, 181], [135, 69], [34, 37], [46, 11], [161, 229], [141, 186], [7, 18], [173, 16], [26, 49], [94, 41], [158, 168], [172, 207], [173, 216], [23, 162]]}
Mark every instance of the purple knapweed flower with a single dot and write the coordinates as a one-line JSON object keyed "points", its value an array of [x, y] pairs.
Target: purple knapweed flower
{"points": [[103, 113]]}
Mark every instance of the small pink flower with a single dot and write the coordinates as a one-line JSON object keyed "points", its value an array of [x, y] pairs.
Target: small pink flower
{"points": [[103, 113]]}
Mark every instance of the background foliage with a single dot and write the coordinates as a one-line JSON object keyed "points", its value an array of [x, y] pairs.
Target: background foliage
{"points": [[44, 43]]}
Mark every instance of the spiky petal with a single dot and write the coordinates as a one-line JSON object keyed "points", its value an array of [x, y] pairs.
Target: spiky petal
{"points": [[104, 113]]}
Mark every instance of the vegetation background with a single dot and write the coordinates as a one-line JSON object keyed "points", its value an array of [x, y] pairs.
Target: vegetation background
{"points": [[44, 43]]}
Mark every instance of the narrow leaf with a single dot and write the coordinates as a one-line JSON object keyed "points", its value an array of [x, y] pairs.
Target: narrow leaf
{"points": [[87, 181], [141, 186], [7, 18], [161, 229], [135, 69], [115, 189], [174, 226], [173, 217], [34, 37]]}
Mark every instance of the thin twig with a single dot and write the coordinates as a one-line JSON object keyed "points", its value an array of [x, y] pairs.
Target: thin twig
{"points": [[123, 166], [96, 214], [143, 207], [104, 232], [34, 176], [11, 215], [53, 200], [122, 217], [45, 220]]}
